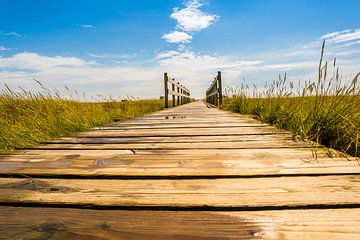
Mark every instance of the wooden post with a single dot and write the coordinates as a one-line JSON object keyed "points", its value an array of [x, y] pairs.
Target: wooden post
{"points": [[181, 98], [219, 87], [166, 97], [178, 91], [180, 94], [173, 96], [215, 90]]}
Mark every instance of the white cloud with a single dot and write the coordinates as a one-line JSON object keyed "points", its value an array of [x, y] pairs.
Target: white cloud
{"points": [[2, 48], [15, 34], [343, 36], [349, 44], [201, 62], [177, 37], [112, 56], [191, 18], [36, 62], [334, 34], [194, 70], [86, 25], [59, 71], [166, 54]]}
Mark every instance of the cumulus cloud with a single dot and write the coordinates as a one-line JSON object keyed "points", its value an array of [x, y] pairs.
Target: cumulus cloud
{"points": [[177, 37], [191, 18]]}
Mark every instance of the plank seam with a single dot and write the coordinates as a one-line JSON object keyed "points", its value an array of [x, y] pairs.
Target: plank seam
{"points": [[168, 177], [182, 208]]}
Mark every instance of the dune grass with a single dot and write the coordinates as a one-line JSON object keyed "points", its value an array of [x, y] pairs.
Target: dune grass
{"points": [[29, 118], [325, 111]]}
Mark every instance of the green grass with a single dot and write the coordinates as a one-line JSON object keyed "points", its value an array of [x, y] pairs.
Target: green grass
{"points": [[326, 111], [29, 118]]}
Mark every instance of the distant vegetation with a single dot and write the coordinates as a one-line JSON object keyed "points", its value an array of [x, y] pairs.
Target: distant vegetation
{"points": [[326, 111], [28, 118]]}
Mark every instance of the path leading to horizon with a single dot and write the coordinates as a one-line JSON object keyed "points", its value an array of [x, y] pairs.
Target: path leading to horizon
{"points": [[190, 172]]}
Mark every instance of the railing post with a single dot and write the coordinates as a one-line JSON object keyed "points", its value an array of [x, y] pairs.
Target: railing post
{"points": [[178, 91], [173, 96], [166, 97], [181, 98], [180, 94], [219, 87], [215, 90]]}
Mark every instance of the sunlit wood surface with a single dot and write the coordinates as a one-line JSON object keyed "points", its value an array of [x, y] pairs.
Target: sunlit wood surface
{"points": [[190, 172]]}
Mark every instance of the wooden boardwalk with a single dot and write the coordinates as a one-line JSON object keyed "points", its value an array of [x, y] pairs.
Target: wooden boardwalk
{"points": [[191, 172]]}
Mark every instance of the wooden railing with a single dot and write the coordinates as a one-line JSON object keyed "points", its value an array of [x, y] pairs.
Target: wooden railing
{"points": [[177, 90], [214, 92]]}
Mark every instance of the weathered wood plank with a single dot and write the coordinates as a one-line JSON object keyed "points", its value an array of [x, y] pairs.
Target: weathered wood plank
{"points": [[183, 132], [274, 143], [50, 223], [193, 139], [105, 166], [235, 193], [182, 121], [179, 126], [138, 124], [278, 153]]}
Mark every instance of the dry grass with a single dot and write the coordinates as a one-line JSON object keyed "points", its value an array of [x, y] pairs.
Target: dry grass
{"points": [[28, 118], [326, 111]]}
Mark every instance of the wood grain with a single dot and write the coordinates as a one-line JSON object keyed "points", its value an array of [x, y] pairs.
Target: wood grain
{"points": [[117, 166], [49, 223], [239, 193]]}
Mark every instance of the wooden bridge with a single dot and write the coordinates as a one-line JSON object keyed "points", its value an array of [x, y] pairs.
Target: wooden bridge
{"points": [[190, 172]]}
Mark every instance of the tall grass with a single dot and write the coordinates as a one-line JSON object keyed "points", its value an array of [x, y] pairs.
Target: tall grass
{"points": [[28, 118], [326, 111]]}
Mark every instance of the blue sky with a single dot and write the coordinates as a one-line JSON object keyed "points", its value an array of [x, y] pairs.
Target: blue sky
{"points": [[123, 47]]}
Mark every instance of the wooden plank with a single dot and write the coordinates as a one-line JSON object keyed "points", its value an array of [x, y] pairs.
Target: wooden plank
{"points": [[179, 154], [50, 223], [243, 130], [194, 139], [175, 93], [249, 154], [243, 193], [112, 166], [213, 94], [183, 132], [178, 126], [147, 124], [274, 143], [175, 121]]}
